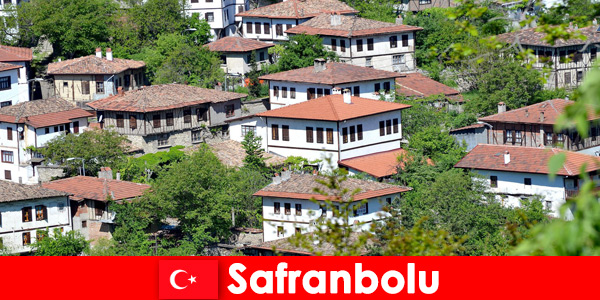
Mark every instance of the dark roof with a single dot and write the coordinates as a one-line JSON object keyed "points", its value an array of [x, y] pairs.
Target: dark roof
{"points": [[94, 188], [237, 44], [8, 54], [333, 108], [419, 85], [378, 165], [532, 114], [92, 65], [6, 67], [532, 37], [298, 9], [334, 73], [162, 97], [525, 160], [302, 186], [10, 191], [474, 126], [42, 113], [349, 26]]}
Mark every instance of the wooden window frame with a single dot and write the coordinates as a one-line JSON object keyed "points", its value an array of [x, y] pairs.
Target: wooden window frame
{"points": [[41, 213], [285, 133], [284, 92], [276, 208], [169, 120], [405, 40], [266, 28], [5, 83], [275, 132], [287, 208], [132, 122], [7, 175], [395, 125], [249, 27], [26, 238], [309, 135], [298, 208], [343, 45], [156, 121], [76, 127], [7, 156], [26, 214], [359, 132], [292, 93], [353, 133], [345, 135], [393, 41], [257, 28], [493, 181], [85, 87], [187, 116], [329, 136], [230, 110], [120, 121], [381, 128], [370, 45], [359, 45], [9, 133], [320, 135], [388, 127]]}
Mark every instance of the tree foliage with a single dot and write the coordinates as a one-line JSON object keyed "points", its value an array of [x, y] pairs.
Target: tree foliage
{"points": [[300, 51], [72, 243], [252, 144], [145, 168]]}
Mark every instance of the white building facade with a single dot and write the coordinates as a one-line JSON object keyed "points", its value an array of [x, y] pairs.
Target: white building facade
{"points": [[219, 14], [14, 72]]}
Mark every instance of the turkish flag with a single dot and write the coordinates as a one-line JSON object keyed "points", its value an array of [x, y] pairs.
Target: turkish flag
{"points": [[188, 279]]}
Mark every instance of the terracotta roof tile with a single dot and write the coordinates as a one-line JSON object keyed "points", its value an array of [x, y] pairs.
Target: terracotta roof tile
{"points": [[237, 44], [532, 114], [94, 188], [333, 108], [42, 113], [10, 191], [8, 53], [161, 97], [298, 9], [6, 67], [531, 37], [334, 73], [419, 85], [525, 160], [350, 26], [301, 186], [378, 165], [93, 65]]}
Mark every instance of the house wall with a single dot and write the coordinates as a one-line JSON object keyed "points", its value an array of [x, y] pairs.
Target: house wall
{"points": [[272, 37], [259, 124], [238, 63], [13, 227], [564, 74], [224, 22], [471, 137], [13, 94], [96, 226], [311, 211]]}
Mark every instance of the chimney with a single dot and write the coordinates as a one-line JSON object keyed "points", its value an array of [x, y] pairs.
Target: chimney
{"points": [[109, 54], [120, 91], [276, 179], [99, 52], [347, 96], [501, 107], [319, 64], [541, 116], [118, 175], [336, 91], [105, 173], [336, 20], [399, 20], [506, 157]]}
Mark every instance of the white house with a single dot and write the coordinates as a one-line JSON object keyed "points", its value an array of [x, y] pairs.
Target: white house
{"points": [[269, 23], [33, 124], [236, 53], [364, 42], [515, 173], [288, 208], [19, 84], [300, 85], [25, 209], [335, 126], [219, 14]]}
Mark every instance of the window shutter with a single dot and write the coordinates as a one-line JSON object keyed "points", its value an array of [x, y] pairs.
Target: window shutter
{"points": [[285, 132]]}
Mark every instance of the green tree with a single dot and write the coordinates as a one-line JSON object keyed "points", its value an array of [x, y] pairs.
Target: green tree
{"points": [[132, 221], [301, 50], [187, 64], [252, 144], [433, 142], [380, 10], [145, 168], [254, 85], [71, 243]]}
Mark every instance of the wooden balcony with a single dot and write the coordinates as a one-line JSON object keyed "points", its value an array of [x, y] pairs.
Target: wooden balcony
{"points": [[571, 193]]}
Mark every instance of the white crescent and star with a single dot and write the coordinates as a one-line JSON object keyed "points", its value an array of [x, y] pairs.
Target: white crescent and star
{"points": [[192, 279]]}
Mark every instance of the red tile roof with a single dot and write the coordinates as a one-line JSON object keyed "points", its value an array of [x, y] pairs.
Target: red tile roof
{"points": [[419, 85], [237, 44], [93, 65], [350, 26], [474, 126], [94, 188], [298, 9], [532, 114], [334, 73], [7, 67], [531, 37], [8, 54], [525, 160], [42, 113], [333, 108], [11, 191], [162, 97], [378, 165], [301, 186]]}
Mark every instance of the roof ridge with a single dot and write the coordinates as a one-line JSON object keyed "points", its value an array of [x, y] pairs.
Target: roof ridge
{"points": [[330, 101]]}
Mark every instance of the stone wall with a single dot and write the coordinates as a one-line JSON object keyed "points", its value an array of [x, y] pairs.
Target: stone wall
{"points": [[149, 144], [46, 173]]}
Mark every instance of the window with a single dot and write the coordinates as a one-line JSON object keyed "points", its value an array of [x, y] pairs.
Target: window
{"points": [[370, 44], [276, 207], [527, 181], [210, 17], [99, 87], [319, 135], [405, 40], [327, 92], [560, 138], [229, 110], [284, 92], [275, 91], [41, 213], [343, 45], [309, 135], [324, 210], [249, 27], [345, 135], [359, 132], [285, 133], [395, 124], [593, 133], [568, 78], [257, 28], [85, 87], [352, 133], [593, 53], [333, 45], [267, 28], [424, 1], [120, 122], [62, 128], [7, 175], [310, 93], [288, 26], [169, 117], [202, 114], [5, 83], [398, 59], [508, 136], [388, 127], [377, 87], [298, 210], [261, 55], [187, 116], [83, 224], [388, 201], [280, 231], [359, 45], [127, 79], [76, 127], [47, 130], [381, 128], [548, 204], [387, 87], [163, 141], [26, 238], [356, 91], [275, 132], [26, 214], [196, 136], [7, 157], [194, 1], [518, 137], [330, 136], [319, 93], [65, 87], [9, 133], [248, 128], [279, 29], [5, 103], [369, 62], [393, 41], [579, 76], [292, 93], [288, 209], [298, 230], [494, 181], [156, 121]]}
